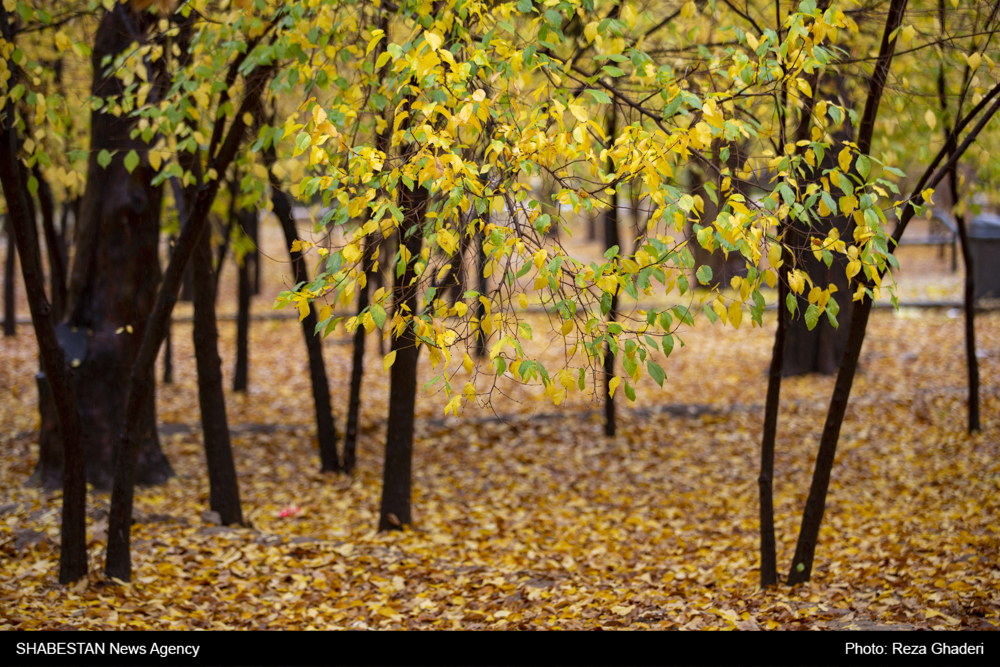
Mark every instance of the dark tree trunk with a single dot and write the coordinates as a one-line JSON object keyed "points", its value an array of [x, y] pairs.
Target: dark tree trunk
{"points": [[247, 219], [56, 252], [119, 558], [115, 273], [821, 349], [396, 480], [482, 287], [812, 515], [73, 545], [224, 491], [326, 430], [610, 240], [358, 363], [972, 363], [9, 268], [768, 553]]}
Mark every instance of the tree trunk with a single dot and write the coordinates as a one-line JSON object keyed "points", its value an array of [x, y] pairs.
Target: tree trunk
{"points": [[224, 491], [818, 350], [73, 545], [9, 268], [357, 364], [610, 240], [57, 269], [119, 559], [396, 480], [812, 515], [247, 219], [768, 553], [326, 430], [482, 287], [972, 363], [115, 273]]}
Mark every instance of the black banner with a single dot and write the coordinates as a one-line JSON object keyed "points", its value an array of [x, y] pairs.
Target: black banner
{"points": [[799, 649]]}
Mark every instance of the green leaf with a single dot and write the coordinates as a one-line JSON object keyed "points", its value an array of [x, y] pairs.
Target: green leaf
{"points": [[812, 316], [656, 372], [600, 96], [378, 315], [104, 158], [864, 166], [613, 71], [790, 302], [131, 161], [704, 274], [32, 185], [668, 344], [630, 392]]}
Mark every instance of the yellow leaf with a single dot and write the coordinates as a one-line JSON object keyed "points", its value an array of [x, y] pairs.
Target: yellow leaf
{"points": [[623, 610], [155, 160], [567, 327], [930, 118], [467, 363], [908, 33], [470, 391], [522, 299], [434, 40], [735, 314], [612, 385], [389, 360], [577, 110], [325, 312], [447, 241], [974, 61], [591, 31], [752, 41], [303, 305], [844, 159]]}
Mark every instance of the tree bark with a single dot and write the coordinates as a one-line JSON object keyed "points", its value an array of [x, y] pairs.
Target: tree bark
{"points": [[119, 560], [115, 273], [247, 220], [224, 490], [611, 240], [57, 268], [9, 268], [396, 480], [326, 429], [73, 545]]}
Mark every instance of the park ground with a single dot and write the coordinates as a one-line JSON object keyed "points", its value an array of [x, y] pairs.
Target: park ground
{"points": [[526, 516]]}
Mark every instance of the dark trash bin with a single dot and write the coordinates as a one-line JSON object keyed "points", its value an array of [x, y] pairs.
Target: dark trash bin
{"points": [[984, 244]]}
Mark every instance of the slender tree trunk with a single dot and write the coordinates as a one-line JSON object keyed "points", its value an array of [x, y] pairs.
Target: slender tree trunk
{"points": [[610, 240], [10, 266], [248, 223], [972, 363], [768, 554], [224, 491], [325, 427], [358, 364], [168, 346], [812, 516], [57, 268], [73, 545], [119, 559], [396, 480], [482, 288]]}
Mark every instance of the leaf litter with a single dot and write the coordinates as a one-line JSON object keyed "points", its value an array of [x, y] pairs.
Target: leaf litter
{"points": [[528, 517]]}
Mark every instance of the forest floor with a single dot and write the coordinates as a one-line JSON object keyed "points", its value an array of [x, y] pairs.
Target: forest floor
{"points": [[525, 515]]}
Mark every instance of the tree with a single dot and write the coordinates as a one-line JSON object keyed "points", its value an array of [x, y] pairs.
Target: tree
{"points": [[115, 269], [73, 552]]}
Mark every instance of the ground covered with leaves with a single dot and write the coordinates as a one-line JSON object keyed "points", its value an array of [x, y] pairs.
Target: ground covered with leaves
{"points": [[526, 516]]}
